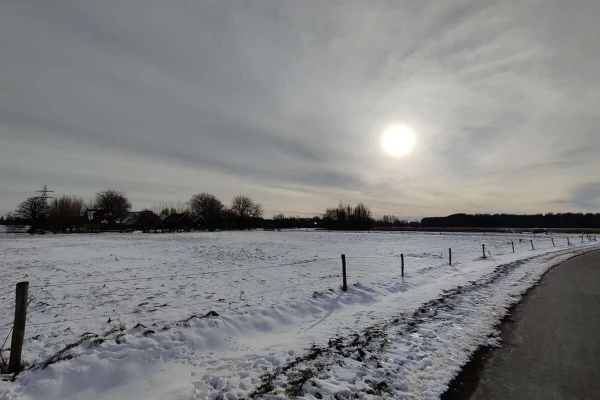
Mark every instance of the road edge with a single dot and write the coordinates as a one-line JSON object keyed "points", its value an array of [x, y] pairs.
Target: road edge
{"points": [[465, 382]]}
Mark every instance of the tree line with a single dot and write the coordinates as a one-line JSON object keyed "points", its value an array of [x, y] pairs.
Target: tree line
{"points": [[66, 213], [549, 220]]}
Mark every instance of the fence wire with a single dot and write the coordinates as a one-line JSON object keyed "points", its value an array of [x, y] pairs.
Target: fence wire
{"points": [[496, 248], [181, 275], [182, 306]]}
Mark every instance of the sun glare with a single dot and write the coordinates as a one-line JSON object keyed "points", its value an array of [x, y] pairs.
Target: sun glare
{"points": [[398, 140]]}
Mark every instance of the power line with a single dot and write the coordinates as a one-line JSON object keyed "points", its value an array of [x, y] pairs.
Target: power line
{"points": [[350, 257], [12, 192]]}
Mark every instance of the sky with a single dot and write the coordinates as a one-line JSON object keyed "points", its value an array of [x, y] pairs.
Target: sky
{"points": [[286, 101]]}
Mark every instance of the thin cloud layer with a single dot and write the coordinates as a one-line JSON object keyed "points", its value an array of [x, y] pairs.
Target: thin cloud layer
{"points": [[286, 102]]}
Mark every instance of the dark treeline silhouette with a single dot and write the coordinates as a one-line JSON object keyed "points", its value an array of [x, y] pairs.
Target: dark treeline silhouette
{"points": [[391, 221], [280, 221], [337, 219], [345, 217], [111, 211], [550, 220]]}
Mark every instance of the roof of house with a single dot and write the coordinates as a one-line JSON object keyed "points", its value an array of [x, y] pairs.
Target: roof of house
{"points": [[137, 217], [174, 218], [130, 218]]}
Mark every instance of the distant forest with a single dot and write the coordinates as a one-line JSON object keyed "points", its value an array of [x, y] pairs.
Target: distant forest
{"points": [[550, 220]]}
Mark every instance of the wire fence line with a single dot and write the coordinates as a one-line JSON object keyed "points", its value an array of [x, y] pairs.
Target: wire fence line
{"points": [[495, 247], [209, 272], [497, 251], [181, 306], [203, 273], [320, 271], [180, 275]]}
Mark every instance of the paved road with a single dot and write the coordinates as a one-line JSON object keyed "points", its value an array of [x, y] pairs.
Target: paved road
{"points": [[551, 343]]}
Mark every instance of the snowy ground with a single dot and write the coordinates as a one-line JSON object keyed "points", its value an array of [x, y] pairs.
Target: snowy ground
{"points": [[234, 314]]}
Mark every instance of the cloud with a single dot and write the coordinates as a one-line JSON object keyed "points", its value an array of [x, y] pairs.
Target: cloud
{"points": [[585, 197], [288, 98]]}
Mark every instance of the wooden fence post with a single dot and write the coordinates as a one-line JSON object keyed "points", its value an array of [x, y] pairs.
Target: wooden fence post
{"points": [[450, 256], [18, 333], [513, 245], [582, 241], [568, 241], [532, 248], [402, 260], [483, 247], [553, 245], [344, 283]]}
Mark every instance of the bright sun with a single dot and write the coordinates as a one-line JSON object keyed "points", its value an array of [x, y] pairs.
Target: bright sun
{"points": [[398, 140]]}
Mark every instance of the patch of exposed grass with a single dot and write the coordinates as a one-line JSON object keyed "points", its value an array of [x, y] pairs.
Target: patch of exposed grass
{"points": [[379, 388], [294, 387]]}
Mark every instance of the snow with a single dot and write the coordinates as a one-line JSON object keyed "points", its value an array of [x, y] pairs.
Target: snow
{"points": [[225, 314]]}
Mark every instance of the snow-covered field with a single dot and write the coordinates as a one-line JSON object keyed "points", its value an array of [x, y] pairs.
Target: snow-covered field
{"points": [[234, 314]]}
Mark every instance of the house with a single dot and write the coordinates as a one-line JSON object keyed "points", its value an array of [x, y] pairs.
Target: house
{"points": [[97, 220], [179, 223], [144, 221], [200, 223]]}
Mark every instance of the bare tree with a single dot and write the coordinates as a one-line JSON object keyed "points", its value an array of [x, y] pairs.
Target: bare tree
{"points": [[64, 213], [32, 211], [361, 217], [244, 209], [90, 204], [161, 208], [208, 207], [256, 211], [242, 206], [114, 204], [168, 209], [347, 217]]}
